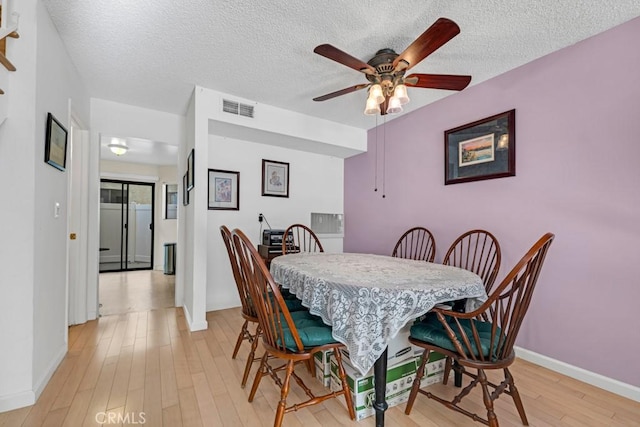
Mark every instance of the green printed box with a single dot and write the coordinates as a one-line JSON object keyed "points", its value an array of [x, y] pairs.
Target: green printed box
{"points": [[399, 380], [322, 360]]}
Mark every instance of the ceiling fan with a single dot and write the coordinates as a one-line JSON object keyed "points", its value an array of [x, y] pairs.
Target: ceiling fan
{"points": [[386, 70]]}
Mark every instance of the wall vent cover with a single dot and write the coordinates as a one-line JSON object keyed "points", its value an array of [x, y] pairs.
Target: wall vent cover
{"points": [[237, 108]]}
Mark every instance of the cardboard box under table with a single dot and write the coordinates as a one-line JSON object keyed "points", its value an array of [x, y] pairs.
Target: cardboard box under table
{"points": [[323, 366], [399, 380]]}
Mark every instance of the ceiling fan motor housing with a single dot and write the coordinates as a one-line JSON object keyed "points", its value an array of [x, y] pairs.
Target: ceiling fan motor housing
{"points": [[383, 63]]}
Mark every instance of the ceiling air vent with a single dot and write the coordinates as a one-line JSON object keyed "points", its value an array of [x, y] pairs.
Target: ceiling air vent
{"points": [[236, 108]]}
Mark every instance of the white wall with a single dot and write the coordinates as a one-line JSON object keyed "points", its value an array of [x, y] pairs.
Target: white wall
{"points": [[275, 132], [316, 185], [33, 295]]}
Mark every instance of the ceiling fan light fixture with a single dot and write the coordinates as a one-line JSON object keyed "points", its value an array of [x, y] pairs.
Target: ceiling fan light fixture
{"points": [[400, 92], [118, 146], [394, 105], [372, 107], [375, 92]]}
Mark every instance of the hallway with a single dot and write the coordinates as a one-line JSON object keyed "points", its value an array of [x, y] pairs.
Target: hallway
{"points": [[135, 291]]}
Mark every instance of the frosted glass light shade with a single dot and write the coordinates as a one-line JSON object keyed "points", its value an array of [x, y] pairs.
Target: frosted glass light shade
{"points": [[372, 107], [375, 92], [401, 93], [394, 106], [118, 147]]}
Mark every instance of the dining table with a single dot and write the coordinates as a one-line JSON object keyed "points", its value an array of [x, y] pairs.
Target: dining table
{"points": [[367, 299]]}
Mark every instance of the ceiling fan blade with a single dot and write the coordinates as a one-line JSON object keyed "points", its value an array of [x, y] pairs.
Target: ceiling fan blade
{"points": [[438, 81], [343, 58], [433, 38], [341, 92]]}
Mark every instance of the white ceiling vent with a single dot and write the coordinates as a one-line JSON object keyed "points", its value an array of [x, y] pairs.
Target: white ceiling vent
{"points": [[237, 108]]}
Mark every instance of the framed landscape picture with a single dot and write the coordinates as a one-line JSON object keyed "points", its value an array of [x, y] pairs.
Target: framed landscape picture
{"points": [[484, 149]]}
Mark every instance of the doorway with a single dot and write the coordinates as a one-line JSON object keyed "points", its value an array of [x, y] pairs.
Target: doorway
{"points": [[126, 225]]}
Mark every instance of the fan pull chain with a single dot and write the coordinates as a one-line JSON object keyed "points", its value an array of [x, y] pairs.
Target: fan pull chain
{"points": [[375, 166], [384, 156]]}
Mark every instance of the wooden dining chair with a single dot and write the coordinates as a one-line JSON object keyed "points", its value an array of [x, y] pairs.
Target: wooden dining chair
{"points": [[300, 238], [479, 252], [248, 310], [284, 337], [416, 243], [484, 338]]}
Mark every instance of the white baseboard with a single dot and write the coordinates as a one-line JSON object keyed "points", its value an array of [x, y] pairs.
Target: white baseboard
{"points": [[51, 369], [200, 326], [614, 386], [18, 400], [26, 398]]}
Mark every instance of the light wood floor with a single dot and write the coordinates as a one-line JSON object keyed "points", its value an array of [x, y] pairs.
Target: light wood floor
{"points": [[149, 362], [142, 290]]}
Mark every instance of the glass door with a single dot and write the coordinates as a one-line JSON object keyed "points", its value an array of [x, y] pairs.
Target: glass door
{"points": [[126, 225]]}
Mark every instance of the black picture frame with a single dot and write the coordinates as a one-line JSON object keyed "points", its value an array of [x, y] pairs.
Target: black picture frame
{"points": [[55, 148], [275, 178], [185, 192], [484, 149], [170, 201], [224, 190], [191, 169]]}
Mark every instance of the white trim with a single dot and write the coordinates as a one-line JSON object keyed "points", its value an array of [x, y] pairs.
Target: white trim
{"points": [[200, 326], [618, 387], [39, 386], [27, 398], [18, 400], [128, 177]]}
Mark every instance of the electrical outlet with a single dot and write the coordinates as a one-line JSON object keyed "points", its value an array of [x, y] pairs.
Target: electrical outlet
{"points": [[260, 217]]}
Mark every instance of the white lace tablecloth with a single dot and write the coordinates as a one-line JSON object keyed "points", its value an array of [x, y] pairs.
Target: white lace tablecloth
{"points": [[367, 298]]}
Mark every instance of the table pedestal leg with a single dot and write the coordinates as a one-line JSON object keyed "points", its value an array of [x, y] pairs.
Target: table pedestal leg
{"points": [[380, 378]]}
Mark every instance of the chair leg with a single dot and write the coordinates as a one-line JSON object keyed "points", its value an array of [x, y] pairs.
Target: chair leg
{"points": [[241, 337], [251, 357], [488, 401], [345, 385], [516, 397], [262, 371], [416, 382], [447, 370], [284, 391]]}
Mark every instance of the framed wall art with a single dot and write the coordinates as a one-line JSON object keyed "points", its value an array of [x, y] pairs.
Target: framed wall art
{"points": [[275, 178], [224, 190], [55, 149], [191, 169], [484, 149], [185, 192]]}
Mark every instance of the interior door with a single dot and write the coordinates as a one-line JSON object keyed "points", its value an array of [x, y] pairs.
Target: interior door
{"points": [[126, 225]]}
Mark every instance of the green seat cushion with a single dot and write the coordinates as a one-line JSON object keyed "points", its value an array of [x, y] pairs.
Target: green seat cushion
{"points": [[312, 330], [294, 304], [431, 331]]}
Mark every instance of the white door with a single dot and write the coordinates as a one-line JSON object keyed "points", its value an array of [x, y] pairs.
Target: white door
{"points": [[77, 224]]}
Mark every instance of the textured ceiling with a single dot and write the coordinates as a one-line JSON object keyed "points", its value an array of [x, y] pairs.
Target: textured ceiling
{"points": [[151, 53]]}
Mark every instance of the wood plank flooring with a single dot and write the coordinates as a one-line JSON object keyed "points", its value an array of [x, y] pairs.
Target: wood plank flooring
{"points": [[146, 368]]}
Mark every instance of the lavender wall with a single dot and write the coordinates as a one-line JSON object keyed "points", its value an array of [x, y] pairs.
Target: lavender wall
{"points": [[577, 175]]}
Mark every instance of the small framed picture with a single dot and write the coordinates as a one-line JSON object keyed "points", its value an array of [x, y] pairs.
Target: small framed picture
{"points": [[55, 150], [171, 201], [275, 178], [185, 192], [484, 149], [190, 169], [224, 190]]}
